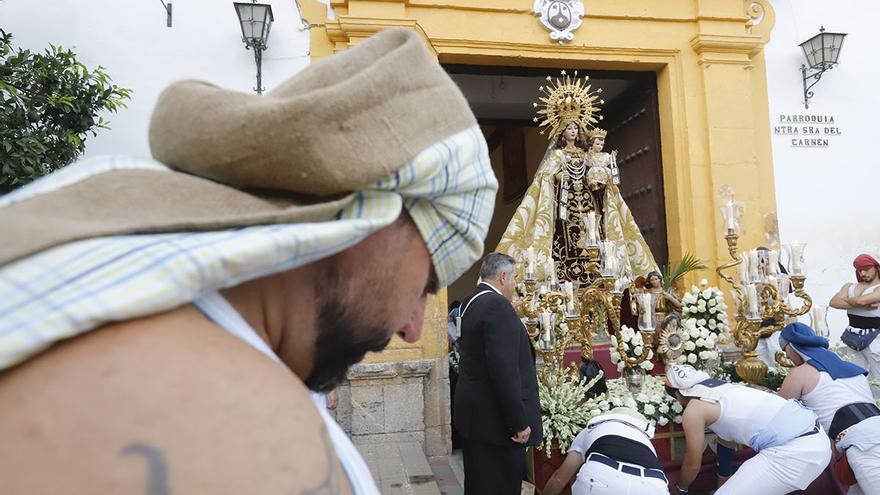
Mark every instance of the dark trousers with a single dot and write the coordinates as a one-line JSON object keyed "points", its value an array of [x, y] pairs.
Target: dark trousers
{"points": [[492, 470]]}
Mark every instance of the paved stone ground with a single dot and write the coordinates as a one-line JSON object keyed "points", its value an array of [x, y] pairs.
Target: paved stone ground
{"points": [[403, 469]]}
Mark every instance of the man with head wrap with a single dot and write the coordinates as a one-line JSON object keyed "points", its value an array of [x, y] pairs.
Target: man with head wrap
{"points": [[792, 449], [839, 394], [861, 301], [145, 305]]}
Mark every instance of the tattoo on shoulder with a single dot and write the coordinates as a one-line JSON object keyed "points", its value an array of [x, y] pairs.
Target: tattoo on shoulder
{"points": [[332, 484], [157, 475]]}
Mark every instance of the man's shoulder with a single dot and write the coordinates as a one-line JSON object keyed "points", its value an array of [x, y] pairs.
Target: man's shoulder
{"points": [[168, 394]]}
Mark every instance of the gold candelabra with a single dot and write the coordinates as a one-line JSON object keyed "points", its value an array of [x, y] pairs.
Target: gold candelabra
{"points": [[558, 315], [761, 291]]}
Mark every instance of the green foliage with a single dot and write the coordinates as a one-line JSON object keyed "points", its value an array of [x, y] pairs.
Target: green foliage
{"points": [[671, 274], [49, 104], [772, 380]]}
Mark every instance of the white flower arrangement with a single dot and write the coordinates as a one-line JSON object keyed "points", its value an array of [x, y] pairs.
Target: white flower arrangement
{"points": [[704, 319], [653, 401], [565, 408], [633, 344]]}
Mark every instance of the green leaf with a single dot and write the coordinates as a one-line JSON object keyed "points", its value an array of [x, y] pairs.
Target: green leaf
{"points": [[671, 275]]}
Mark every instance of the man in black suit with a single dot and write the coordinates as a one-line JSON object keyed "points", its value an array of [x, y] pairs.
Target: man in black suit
{"points": [[497, 412]]}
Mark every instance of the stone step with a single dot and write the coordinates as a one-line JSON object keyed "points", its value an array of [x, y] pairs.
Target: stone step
{"points": [[400, 468]]}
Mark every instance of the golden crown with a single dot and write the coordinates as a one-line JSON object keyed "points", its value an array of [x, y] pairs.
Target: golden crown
{"points": [[567, 99], [597, 133]]}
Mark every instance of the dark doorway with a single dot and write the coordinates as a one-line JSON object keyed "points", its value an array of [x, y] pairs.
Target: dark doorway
{"points": [[502, 97]]}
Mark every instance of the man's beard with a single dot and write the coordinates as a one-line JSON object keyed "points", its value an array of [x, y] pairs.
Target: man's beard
{"points": [[343, 340]]}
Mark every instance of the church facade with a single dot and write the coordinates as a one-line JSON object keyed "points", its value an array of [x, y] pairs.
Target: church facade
{"points": [[705, 63]]}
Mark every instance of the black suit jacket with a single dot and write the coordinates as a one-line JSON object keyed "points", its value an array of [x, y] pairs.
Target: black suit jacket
{"points": [[497, 391]]}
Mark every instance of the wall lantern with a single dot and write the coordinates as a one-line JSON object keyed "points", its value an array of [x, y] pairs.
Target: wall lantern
{"points": [[256, 21], [821, 52]]}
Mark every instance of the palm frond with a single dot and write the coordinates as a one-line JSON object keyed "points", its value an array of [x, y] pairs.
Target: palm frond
{"points": [[688, 263]]}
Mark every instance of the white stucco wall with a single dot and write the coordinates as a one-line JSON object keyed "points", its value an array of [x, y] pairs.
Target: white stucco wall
{"points": [[827, 197], [130, 39]]}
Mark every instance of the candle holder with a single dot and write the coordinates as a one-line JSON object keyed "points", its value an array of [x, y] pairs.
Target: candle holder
{"points": [[761, 294], [560, 315]]}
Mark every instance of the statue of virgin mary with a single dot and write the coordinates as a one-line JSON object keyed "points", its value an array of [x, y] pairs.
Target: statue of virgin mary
{"points": [[575, 183]]}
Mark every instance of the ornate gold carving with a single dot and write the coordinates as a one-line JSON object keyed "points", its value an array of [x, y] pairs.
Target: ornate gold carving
{"points": [[566, 100]]}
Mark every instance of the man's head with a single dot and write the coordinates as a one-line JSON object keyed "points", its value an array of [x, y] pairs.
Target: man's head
{"points": [[386, 223], [590, 369], [500, 271], [681, 379], [867, 268], [366, 297]]}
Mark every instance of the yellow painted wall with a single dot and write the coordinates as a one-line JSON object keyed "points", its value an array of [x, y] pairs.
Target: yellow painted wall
{"points": [[709, 61]]}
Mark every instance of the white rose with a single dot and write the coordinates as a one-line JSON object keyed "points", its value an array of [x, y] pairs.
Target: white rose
{"points": [[690, 324], [701, 322], [681, 359], [705, 333], [663, 421], [638, 351], [713, 310], [712, 302], [707, 294], [689, 346], [701, 306], [692, 358], [676, 407], [701, 342], [620, 367], [649, 409], [641, 397], [647, 365], [677, 419], [704, 355], [663, 408], [694, 333], [712, 325], [630, 403]]}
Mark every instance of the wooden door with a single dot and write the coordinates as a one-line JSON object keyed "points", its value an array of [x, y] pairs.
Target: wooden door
{"points": [[633, 126]]}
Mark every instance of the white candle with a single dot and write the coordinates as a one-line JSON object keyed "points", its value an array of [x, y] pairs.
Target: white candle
{"points": [[743, 269], [754, 266], [773, 267], [569, 292], [796, 258], [729, 214], [591, 229], [752, 298], [550, 271], [546, 325], [530, 256]]}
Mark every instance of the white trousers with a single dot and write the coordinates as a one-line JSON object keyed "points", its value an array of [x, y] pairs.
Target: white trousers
{"points": [[596, 478], [866, 466], [782, 469], [868, 358]]}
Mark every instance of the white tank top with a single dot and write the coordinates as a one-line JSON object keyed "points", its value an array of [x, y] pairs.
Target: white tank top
{"points": [[744, 413], [830, 395], [218, 310], [862, 311]]}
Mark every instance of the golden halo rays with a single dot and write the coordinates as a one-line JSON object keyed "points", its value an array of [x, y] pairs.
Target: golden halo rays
{"points": [[567, 99]]}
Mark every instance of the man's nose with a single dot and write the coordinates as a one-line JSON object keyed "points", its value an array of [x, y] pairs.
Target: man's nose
{"points": [[412, 331]]}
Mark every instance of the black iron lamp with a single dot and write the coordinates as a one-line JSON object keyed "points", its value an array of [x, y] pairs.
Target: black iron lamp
{"points": [[256, 21], [821, 52]]}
